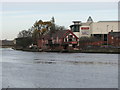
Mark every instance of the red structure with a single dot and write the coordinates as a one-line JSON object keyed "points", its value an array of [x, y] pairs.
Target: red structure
{"points": [[58, 40], [96, 43], [114, 38]]}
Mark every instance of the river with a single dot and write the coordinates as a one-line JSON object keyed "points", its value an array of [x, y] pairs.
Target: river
{"points": [[21, 69]]}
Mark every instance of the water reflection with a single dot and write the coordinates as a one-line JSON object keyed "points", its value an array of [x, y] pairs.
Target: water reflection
{"points": [[40, 61]]}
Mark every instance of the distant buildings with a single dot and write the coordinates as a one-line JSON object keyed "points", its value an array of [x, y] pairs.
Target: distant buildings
{"points": [[81, 35], [98, 29], [70, 39], [6, 43]]}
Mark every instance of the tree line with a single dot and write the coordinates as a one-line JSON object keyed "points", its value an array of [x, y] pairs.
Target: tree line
{"points": [[39, 28]]}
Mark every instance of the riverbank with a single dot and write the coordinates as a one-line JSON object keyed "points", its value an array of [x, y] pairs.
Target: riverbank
{"points": [[102, 50], [91, 50], [6, 46]]}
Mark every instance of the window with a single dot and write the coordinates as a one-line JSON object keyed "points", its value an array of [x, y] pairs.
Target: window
{"points": [[70, 36], [49, 41], [74, 46], [75, 28], [74, 39], [111, 37], [70, 40], [65, 39]]}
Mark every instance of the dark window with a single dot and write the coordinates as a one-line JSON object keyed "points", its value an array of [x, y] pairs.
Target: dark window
{"points": [[105, 37], [49, 41], [70, 40], [70, 36], [75, 28], [74, 39], [74, 46], [66, 40]]}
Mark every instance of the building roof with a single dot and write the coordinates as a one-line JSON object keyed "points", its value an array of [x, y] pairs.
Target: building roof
{"points": [[109, 21], [78, 22], [75, 25], [57, 33], [89, 19]]}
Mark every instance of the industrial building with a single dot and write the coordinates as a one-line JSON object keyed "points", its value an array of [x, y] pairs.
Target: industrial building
{"points": [[98, 29]]}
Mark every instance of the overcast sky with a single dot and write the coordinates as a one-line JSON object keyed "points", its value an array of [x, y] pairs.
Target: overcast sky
{"points": [[17, 16]]}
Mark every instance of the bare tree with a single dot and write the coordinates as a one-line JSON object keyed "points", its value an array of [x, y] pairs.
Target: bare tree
{"points": [[57, 27], [25, 33]]}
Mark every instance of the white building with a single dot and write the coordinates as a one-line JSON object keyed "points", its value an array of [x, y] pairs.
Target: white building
{"points": [[90, 28], [103, 27]]}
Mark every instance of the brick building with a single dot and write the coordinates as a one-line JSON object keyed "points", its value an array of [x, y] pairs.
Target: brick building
{"points": [[58, 40], [114, 38]]}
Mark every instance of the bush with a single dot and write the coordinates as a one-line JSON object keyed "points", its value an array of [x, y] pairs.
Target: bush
{"points": [[24, 41]]}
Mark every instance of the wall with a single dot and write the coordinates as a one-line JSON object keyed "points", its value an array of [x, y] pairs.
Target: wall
{"points": [[101, 27]]}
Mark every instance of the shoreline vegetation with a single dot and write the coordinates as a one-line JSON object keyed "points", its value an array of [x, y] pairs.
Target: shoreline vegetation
{"points": [[90, 50]]}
